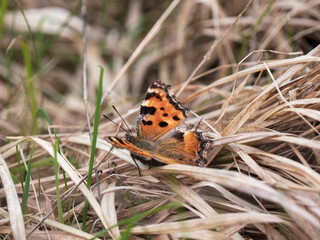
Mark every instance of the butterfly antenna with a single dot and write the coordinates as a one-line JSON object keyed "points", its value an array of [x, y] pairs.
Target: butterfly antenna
{"points": [[122, 120], [198, 125], [117, 124]]}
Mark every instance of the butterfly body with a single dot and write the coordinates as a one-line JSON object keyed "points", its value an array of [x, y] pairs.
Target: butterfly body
{"points": [[161, 136]]}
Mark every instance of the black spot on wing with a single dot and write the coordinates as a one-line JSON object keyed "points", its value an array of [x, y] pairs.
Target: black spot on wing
{"points": [[165, 115], [115, 139], [148, 161], [146, 122], [176, 118], [152, 94], [179, 136], [147, 110], [120, 141], [155, 163], [163, 124], [162, 108]]}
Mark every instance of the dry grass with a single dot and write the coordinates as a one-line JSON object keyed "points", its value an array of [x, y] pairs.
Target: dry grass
{"points": [[254, 83]]}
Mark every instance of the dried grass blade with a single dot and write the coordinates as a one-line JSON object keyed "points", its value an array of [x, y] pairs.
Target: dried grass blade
{"points": [[277, 109], [244, 137], [14, 208], [188, 194], [311, 113], [313, 144], [284, 163], [201, 235], [64, 227], [109, 210], [252, 164], [222, 220]]}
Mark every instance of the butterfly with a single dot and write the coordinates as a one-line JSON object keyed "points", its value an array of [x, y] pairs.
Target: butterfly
{"points": [[162, 137]]}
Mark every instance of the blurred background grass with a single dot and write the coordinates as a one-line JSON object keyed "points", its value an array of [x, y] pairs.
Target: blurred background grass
{"points": [[40, 61]]}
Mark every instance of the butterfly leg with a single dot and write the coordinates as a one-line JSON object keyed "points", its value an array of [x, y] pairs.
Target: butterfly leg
{"points": [[134, 159]]}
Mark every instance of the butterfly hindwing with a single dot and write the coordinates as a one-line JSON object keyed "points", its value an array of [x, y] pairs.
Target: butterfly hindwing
{"points": [[184, 147]]}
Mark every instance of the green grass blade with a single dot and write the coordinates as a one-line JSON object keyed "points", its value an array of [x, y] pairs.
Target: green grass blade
{"points": [[30, 90], [253, 29], [289, 32], [26, 58], [93, 144], [44, 113], [34, 122], [37, 61], [25, 195], [14, 178], [3, 8], [56, 171], [39, 185], [44, 162], [18, 160], [19, 165]]}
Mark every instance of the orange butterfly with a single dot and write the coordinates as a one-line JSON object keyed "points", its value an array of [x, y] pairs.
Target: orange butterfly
{"points": [[161, 136]]}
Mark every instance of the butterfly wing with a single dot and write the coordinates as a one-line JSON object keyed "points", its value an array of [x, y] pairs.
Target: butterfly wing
{"points": [[137, 153], [160, 112], [124, 144], [183, 147]]}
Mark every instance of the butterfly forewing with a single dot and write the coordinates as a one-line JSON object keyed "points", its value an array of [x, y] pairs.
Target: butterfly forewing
{"points": [[160, 112]]}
